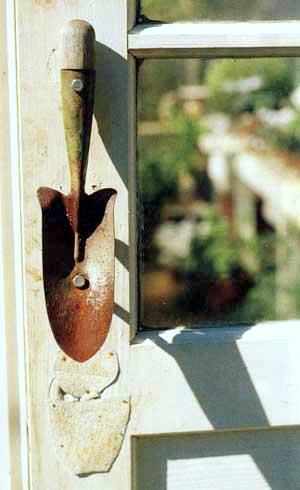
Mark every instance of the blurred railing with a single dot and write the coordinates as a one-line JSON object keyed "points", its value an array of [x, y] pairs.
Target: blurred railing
{"points": [[242, 171]]}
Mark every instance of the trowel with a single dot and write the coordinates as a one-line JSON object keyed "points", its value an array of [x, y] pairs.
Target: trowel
{"points": [[78, 229]]}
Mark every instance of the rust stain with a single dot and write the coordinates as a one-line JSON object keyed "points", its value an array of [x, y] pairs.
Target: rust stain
{"points": [[34, 273], [79, 318], [94, 449], [45, 3], [42, 143], [94, 375]]}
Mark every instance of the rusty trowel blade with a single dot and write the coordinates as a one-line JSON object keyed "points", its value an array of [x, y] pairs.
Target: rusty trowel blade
{"points": [[79, 293]]}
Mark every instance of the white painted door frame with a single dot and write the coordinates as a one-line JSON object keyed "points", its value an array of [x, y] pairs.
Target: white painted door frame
{"points": [[13, 410], [238, 381]]}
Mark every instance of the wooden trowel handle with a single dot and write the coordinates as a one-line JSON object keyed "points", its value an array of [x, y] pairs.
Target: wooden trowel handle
{"points": [[78, 89]]}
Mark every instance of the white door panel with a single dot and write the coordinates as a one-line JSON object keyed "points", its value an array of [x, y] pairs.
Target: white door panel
{"points": [[260, 460], [214, 408], [191, 380]]}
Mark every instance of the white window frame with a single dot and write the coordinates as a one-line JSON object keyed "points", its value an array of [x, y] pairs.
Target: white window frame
{"points": [[205, 39], [215, 39]]}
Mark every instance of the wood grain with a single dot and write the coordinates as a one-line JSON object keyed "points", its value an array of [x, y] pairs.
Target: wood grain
{"points": [[44, 162], [78, 46]]}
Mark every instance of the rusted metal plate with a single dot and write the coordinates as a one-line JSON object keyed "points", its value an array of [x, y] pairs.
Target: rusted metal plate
{"points": [[80, 317]]}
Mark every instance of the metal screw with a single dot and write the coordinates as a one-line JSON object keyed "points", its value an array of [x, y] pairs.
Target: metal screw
{"points": [[77, 84], [79, 281]]}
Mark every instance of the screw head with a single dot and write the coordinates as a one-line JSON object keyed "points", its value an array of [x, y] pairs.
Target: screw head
{"points": [[79, 281], [77, 84]]}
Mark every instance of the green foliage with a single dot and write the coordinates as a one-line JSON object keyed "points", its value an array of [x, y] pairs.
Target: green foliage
{"points": [[188, 130], [157, 178], [167, 9], [259, 303], [213, 255], [287, 138], [171, 10], [156, 77], [163, 161], [277, 82]]}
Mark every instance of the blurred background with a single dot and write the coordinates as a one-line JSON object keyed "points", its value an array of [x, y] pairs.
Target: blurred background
{"points": [[219, 179], [171, 10]]}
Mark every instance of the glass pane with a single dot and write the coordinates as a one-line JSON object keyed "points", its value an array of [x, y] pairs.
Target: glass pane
{"points": [[219, 190], [172, 10]]}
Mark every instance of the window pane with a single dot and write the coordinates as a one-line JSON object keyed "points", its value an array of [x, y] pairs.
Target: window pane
{"points": [[219, 190], [172, 10]]}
